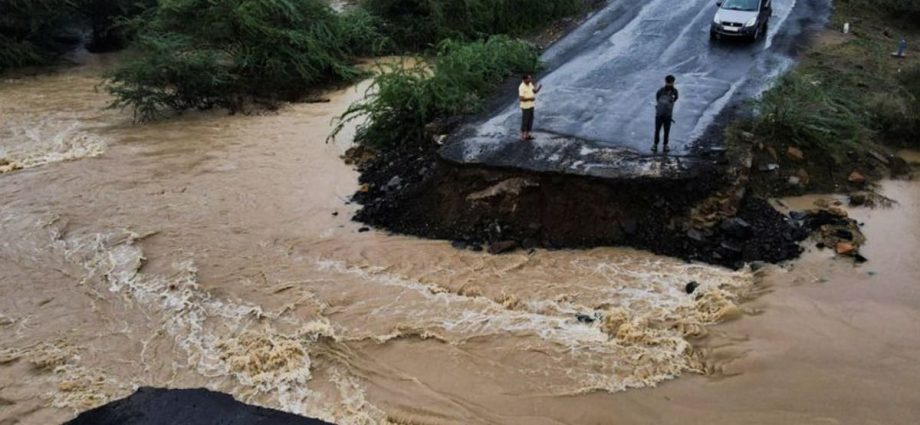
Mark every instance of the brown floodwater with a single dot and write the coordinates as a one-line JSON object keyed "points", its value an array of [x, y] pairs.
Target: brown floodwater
{"points": [[216, 251]]}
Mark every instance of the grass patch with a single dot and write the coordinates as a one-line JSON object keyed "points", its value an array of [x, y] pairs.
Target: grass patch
{"points": [[845, 102], [404, 99]]}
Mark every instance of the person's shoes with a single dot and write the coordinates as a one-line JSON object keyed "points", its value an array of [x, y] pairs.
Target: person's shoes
{"points": [[529, 138], [666, 149], [655, 148]]}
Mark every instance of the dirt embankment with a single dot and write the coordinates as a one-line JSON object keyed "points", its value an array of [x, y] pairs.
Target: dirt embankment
{"points": [[706, 218]]}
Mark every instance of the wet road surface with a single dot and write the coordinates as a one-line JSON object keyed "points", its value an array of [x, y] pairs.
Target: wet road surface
{"points": [[595, 114]]}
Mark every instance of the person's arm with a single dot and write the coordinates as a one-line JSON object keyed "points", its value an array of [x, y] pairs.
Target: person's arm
{"points": [[523, 95], [538, 88], [676, 95], [658, 93]]}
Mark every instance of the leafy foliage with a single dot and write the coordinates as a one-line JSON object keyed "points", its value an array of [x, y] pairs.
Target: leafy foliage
{"points": [[403, 99], [204, 54], [27, 29], [415, 24], [811, 113]]}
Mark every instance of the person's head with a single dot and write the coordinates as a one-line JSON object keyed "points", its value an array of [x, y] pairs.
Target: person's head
{"points": [[669, 80], [527, 79]]}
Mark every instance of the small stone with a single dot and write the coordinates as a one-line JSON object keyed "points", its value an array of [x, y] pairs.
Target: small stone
{"points": [[795, 154], [856, 178], [394, 182], [859, 258], [696, 235], [502, 247], [458, 244], [364, 188], [803, 176], [838, 211], [691, 287], [737, 228], [335, 213], [364, 229], [584, 318], [845, 248], [731, 247], [858, 199]]}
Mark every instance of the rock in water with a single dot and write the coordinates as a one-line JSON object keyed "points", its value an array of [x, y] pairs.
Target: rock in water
{"points": [[845, 248], [691, 287], [502, 247], [857, 178], [152, 406]]}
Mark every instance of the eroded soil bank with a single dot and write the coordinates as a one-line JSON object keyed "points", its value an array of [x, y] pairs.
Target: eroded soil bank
{"points": [[704, 216]]}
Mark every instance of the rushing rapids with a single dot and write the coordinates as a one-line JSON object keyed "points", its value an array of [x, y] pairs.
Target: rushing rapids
{"points": [[216, 251]]}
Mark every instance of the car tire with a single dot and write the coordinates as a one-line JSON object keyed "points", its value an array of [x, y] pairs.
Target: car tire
{"points": [[713, 36]]}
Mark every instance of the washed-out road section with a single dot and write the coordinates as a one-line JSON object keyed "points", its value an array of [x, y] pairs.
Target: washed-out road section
{"points": [[595, 115]]}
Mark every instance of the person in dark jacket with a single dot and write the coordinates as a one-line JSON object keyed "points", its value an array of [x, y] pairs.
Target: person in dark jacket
{"points": [[665, 99]]}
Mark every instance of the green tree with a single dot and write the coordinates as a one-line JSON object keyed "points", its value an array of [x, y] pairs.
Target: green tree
{"points": [[204, 54]]}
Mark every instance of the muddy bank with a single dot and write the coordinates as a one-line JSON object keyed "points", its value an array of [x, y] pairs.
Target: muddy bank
{"points": [[704, 217], [153, 406]]}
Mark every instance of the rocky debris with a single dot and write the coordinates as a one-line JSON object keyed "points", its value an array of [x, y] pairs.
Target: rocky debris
{"points": [[502, 247], [795, 154], [859, 199], [870, 199], [856, 178], [736, 227], [831, 226], [358, 156], [152, 406], [803, 176], [691, 287], [585, 318], [845, 248], [364, 229]]}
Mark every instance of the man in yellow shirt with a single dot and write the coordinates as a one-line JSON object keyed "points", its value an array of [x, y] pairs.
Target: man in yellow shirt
{"points": [[527, 94]]}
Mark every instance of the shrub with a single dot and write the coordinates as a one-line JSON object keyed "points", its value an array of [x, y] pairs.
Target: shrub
{"points": [[812, 113], [897, 115], [403, 99], [28, 29], [204, 54], [415, 24]]}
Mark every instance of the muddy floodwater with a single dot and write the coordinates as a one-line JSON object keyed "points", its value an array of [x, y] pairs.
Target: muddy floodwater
{"points": [[217, 251]]}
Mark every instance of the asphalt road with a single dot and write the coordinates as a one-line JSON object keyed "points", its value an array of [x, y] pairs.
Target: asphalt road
{"points": [[596, 110]]}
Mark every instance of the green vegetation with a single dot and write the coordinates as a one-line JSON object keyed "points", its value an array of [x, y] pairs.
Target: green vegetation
{"points": [[200, 54], [403, 99], [110, 21], [27, 30], [36, 32], [847, 99], [417, 24]]}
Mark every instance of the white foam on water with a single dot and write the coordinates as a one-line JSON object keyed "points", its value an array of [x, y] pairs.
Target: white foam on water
{"points": [[28, 143]]}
